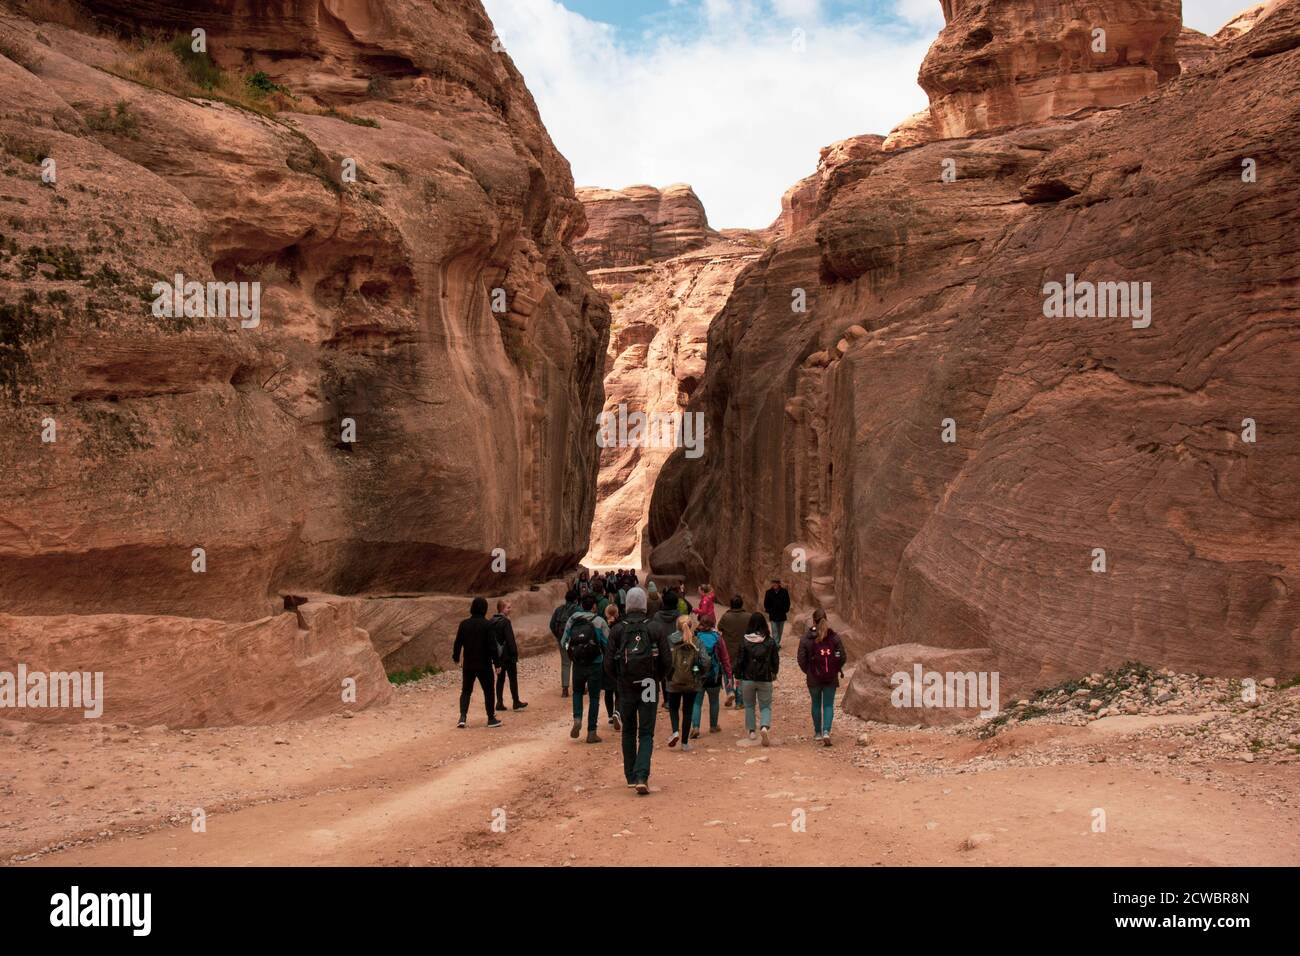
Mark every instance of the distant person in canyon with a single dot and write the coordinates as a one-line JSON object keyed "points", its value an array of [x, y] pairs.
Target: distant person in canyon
{"points": [[776, 602], [733, 626], [821, 658], [586, 639], [476, 644], [637, 664], [757, 667], [715, 647], [559, 619], [612, 613], [654, 601], [690, 665], [706, 600], [503, 632]]}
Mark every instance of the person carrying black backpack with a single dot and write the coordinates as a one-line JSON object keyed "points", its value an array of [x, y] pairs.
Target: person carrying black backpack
{"points": [[756, 668], [639, 661], [586, 638], [559, 618]]}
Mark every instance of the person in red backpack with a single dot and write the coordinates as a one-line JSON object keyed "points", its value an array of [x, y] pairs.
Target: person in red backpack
{"points": [[821, 658]]}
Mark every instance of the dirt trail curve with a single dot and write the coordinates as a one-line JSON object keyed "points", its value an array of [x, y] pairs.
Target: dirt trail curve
{"points": [[401, 785]]}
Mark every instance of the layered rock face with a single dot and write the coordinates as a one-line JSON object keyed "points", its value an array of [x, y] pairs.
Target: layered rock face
{"points": [[1005, 64], [416, 395], [662, 310], [641, 224], [963, 467]]}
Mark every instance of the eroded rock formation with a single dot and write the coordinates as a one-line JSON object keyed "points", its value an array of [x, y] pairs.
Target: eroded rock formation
{"points": [[661, 309], [1004, 64], [949, 459], [641, 224], [383, 174]]}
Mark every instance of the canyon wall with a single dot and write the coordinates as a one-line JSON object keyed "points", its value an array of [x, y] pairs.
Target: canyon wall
{"points": [[420, 387], [961, 472], [662, 304]]}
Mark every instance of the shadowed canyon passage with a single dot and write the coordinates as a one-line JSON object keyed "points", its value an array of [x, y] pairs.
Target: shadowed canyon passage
{"points": [[233, 524]]}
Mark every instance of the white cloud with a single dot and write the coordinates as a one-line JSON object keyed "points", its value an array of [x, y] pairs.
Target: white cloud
{"points": [[719, 100], [1209, 15]]}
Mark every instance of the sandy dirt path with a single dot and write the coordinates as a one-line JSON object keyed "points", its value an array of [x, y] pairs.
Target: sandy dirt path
{"points": [[402, 786]]}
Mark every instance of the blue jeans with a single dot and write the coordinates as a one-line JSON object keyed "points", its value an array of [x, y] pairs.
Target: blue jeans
{"points": [[823, 708], [758, 702], [714, 707], [586, 677], [778, 628]]}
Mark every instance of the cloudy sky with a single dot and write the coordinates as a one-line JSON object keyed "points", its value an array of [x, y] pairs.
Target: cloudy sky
{"points": [[734, 97]]}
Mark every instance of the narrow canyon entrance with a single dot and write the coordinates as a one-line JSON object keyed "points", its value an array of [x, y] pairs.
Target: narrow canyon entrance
{"points": [[666, 274]]}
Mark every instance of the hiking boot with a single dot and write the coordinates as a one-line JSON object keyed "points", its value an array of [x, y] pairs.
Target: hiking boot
{"points": [[617, 721], [695, 733], [672, 741], [592, 738], [642, 788], [826, 740], [731, 700], [631, 784], [519, 705], [766, 740], [715, 730], [494, 722], [461, 723], [576, 729]]}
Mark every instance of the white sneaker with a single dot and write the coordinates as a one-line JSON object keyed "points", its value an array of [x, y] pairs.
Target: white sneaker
{"points": [[766, 741], [672, 741], [752, 735], [817, 736]]}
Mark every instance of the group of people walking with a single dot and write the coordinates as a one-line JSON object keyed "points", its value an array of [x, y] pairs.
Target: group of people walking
{"points": [[645, 650]]}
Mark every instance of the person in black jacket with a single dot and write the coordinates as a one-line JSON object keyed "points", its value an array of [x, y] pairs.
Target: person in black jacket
{"points": [[503, 633], [474, 640], [637, 697], [662, 624], [776, 603]]}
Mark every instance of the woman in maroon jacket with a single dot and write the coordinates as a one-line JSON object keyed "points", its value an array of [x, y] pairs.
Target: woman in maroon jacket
{"points": [[821, 658]]}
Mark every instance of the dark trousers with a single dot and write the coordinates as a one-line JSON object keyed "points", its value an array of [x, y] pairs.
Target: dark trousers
{"points": [[586, 682], [484, 678], [611, 699], [638, 717], [683, 701], [511, 669]]}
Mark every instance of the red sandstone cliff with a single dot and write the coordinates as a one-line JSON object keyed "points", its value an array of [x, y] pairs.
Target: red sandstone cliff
{"points": [[926, 309], [472, 424]]}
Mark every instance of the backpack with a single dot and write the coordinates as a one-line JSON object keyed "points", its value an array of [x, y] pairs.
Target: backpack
{"points": [[709, 641], [559, 617], [758, 665], [640, 653], [499, 639], [823, 663], [584, 645], [688, 665]]}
